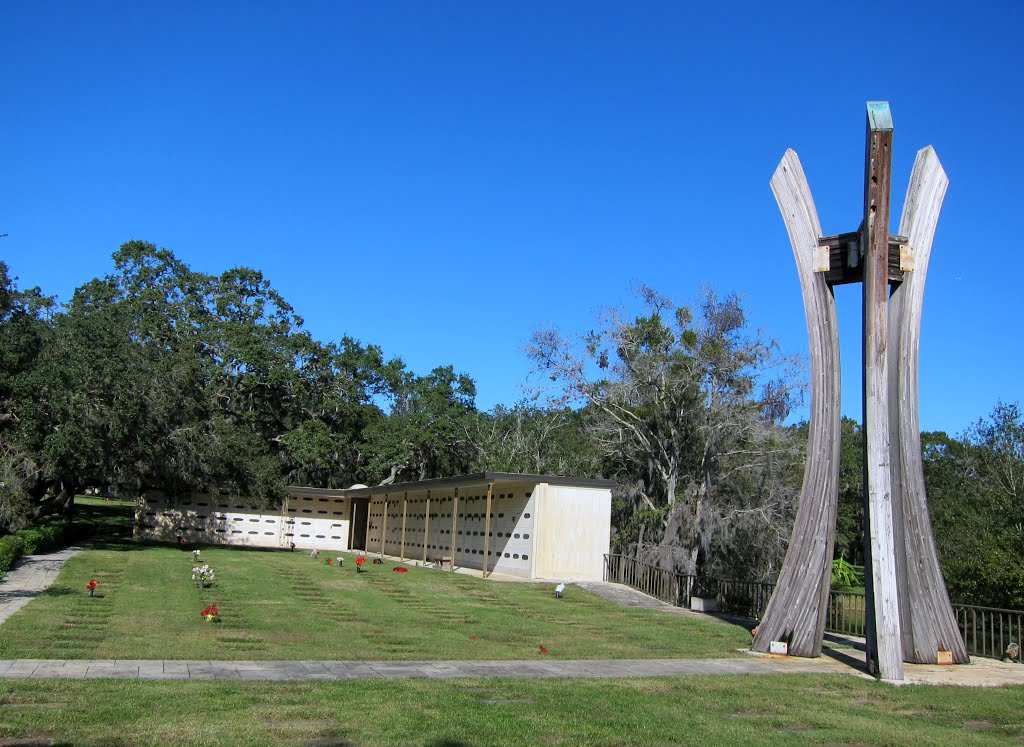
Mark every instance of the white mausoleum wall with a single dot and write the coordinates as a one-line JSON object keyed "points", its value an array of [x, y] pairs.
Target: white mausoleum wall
{"points": [[511, 529], [308, 521], [573, 532]]}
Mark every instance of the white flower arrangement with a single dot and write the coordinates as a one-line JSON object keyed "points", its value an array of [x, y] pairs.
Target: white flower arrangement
{"points": [[202, 575]]}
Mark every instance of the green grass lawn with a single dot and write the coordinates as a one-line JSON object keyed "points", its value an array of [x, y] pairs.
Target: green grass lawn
{"points": [[110, 519], [732, 710], [278, 605]]}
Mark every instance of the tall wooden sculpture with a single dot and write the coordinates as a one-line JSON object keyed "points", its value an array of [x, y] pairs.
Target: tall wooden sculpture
{"points": [[909, 617]]}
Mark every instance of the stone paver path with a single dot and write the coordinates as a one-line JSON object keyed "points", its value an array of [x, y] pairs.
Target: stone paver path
{"points": [[979, 673], [36, 572], [31, 575], [344, 670]]}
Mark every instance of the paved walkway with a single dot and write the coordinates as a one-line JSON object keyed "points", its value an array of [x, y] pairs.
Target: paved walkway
{"points": [[344, 670], [31, 575], [35, 572]]}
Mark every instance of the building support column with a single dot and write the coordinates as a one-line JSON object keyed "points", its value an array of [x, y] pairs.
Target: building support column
{"points": [[426, 529], [455, 524], [405, 504], [487, 529]]}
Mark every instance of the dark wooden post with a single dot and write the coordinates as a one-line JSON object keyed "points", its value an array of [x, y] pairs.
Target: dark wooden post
{"points": [[884, 640]]}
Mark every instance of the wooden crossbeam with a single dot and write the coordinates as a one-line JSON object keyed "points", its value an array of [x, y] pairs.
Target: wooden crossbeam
{"points": [[839, 258]]}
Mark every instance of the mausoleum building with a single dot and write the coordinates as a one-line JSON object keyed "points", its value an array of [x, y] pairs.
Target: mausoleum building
{"points": [[532, 526]]}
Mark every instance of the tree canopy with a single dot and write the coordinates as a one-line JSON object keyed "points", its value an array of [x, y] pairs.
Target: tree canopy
{"points": [[977, 508], [685, 410], [156, 376]]}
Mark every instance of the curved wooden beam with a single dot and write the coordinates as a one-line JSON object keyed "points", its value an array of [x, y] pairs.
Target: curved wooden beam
{"points": [[926, 616], [797, 609]]}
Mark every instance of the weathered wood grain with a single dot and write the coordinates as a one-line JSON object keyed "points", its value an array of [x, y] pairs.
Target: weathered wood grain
{"points": [[926, 616], [797, 609], [884, 642], [844, 265]]}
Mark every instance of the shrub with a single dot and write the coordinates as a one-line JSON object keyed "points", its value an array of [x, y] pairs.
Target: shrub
{"points": [[30, 540], [54, 536], [43, 538], [12, 547]]}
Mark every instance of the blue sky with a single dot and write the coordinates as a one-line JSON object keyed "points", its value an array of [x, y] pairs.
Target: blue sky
{"points": [[442, 178]]}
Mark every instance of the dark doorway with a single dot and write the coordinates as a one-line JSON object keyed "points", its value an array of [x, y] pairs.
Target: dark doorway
{"points": [[360, 518]]}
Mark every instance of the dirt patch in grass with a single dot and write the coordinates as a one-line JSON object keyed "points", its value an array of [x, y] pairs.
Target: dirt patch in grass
{"points": [[796, 729], [978, 725], [301, 723], [649, 687], [16, 702]]}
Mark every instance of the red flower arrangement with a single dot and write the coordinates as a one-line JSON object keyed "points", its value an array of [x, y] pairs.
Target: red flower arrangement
{"points": [[400, 569], [330, 561], [359, 564], [544, 650], [91, 586], [210, 614]]}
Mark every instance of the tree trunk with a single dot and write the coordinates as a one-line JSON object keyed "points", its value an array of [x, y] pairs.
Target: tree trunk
{"points": [[58, 505]]}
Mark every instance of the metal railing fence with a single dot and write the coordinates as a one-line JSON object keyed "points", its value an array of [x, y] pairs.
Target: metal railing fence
{"points": [[987, 631]]}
